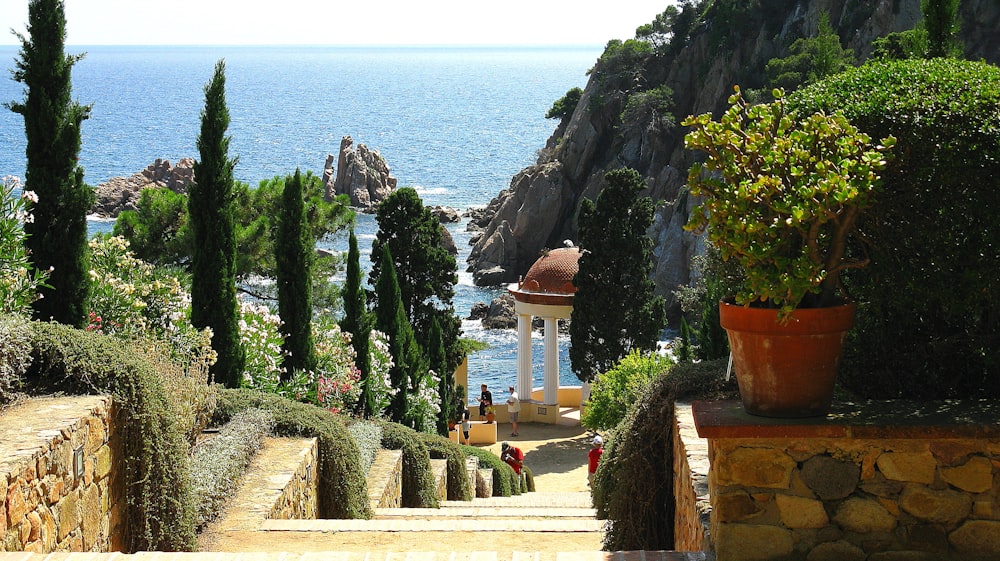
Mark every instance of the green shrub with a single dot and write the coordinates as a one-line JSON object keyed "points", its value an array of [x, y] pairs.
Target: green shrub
{"points": [[15, 356], [615, 390], [368, 438], [160, 511], [505, 481], [633, 488], [419, 489], [929, 304], [186, 384], [343, 489], [441, 448], [218, 464]]}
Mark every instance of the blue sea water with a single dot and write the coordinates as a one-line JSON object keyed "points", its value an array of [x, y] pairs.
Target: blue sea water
{"points": [[455, 123]]}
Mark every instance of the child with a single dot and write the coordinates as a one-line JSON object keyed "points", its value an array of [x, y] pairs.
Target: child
{"points": [[593, 457], [466, 426]]}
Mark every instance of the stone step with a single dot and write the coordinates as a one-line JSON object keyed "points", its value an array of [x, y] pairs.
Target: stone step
{"points": [[477, 511], [427, 524], [527, 500], [364, 556]]}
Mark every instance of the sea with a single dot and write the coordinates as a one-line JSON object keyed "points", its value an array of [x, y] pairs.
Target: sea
{"points": [[455, 123]]}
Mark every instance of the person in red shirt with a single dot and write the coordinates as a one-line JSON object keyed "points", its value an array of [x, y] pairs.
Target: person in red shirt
{"points": [[593, 457], [513, 456]]}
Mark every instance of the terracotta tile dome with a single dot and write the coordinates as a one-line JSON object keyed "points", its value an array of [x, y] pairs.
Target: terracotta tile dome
{"points": [[553, 272]]}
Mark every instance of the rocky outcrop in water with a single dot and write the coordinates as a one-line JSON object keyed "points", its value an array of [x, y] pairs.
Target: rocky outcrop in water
{"points": [[540, 207], [361, 174], [122, 193]]}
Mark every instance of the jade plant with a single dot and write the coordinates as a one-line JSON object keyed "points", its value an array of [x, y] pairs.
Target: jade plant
{"points": [[781, 196]]}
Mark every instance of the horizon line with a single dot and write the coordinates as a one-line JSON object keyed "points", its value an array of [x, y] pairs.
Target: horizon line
{"points": [[346, 45]]}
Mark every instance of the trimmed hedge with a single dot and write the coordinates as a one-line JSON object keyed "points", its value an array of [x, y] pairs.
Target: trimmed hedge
{"points": [[418, 481], [160, 512], [343, 490], [439, 448], [928, 321], [15, 356]]}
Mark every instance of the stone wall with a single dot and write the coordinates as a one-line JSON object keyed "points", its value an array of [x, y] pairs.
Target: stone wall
{"points": [[57, 492], [439, 471], [299, 498], [857, 485], [385, 480], [692, 507]]}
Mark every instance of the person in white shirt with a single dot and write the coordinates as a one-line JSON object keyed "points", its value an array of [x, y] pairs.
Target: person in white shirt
{"points": [[513, 408]]}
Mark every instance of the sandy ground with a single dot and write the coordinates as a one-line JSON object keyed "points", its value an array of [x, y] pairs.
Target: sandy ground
{"points": [[557, 456]]}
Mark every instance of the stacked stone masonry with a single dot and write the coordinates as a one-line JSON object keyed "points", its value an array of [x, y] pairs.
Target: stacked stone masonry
{"points": [[57, 491], [930, 493], [298, 497], [385, 480], [692, 506]]}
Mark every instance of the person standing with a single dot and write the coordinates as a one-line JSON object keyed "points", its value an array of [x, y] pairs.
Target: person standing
{"points": [[513, 408], [485, 400], [466, 425], [593, 457]]}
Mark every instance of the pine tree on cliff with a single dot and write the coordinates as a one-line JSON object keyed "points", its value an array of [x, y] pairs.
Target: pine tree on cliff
{"points": [[293, 256], [615, 308], [358, 322], [213, 260], [58, 236], [409, 365], [427, 273]]}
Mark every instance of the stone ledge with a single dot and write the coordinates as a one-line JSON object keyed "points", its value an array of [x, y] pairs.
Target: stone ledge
{"points": [[861, 420]]}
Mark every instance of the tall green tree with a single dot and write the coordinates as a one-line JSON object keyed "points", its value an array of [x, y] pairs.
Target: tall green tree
{"points": [[941, 23], [446, 377], [409, 365], [427, 272], [293, 255], [57, 238], [614, 275], [358, 322], [213, 259]]}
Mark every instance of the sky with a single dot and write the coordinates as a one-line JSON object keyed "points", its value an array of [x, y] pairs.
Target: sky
{"points": [[342, 22]]}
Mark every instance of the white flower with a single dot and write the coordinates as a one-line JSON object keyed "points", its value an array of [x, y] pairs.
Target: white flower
{"points": [[30, 196]]}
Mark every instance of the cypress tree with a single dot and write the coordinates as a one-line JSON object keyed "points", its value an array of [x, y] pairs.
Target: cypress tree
{"points": [[293, 256], [614, 275], [408, 361], [58, 236], [446, 376], [427, 273], [213, 259], [357, 321], [941, 23]]}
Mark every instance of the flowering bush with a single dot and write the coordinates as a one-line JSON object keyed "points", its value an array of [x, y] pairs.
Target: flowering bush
{"points": [[18, 282], [133, 299], [261, 341], [425, 403], [379, 363], [337, 378]]}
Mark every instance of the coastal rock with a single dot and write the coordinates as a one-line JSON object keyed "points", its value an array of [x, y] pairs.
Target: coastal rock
{"points": [[446, 214], [362, 174], [448, 242], [501, 313], [540, 207], [122, 193], [478, 310]]}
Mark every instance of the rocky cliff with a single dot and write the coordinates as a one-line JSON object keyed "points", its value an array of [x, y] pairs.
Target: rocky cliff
{"points": [[361, 173], [726, 47], [122, 193]]}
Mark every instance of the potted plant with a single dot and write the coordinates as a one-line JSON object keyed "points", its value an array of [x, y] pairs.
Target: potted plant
{"points": [[491, 414], [782, 196]]}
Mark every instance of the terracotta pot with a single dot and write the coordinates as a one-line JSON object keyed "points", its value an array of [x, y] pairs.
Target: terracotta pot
{"points": [[490, 417], [786, 369]]}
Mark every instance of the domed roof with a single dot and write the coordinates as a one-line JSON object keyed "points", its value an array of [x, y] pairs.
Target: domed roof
{"points": [[553, 272]]}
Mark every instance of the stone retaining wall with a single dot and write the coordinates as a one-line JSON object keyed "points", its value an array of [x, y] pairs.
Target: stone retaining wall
{"points": [[57, 492], [385, 480], [299, 498], [439, 471], [692, 507], [855, 486]]}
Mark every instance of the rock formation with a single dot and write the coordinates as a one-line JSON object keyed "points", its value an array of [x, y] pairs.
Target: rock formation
{"points": [[361, 173], [540, 207], [122, 193]]}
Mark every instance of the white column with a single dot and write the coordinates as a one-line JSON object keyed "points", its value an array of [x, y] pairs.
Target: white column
{"points": [[551, 361], [524, 356]]}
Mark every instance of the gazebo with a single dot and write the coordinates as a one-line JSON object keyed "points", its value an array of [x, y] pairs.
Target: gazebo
{"points": [[546, 291]]}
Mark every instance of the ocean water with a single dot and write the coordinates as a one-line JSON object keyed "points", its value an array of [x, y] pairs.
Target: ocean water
{"points": [[454, 123]]}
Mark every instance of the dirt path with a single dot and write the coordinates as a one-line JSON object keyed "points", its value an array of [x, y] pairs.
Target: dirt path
{"points": [[557, 456]]}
